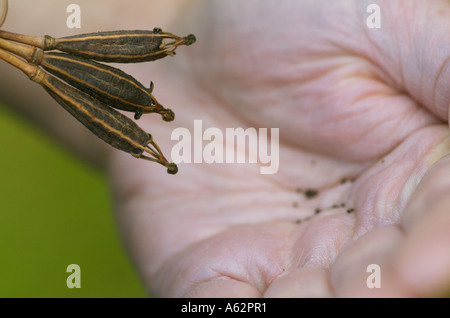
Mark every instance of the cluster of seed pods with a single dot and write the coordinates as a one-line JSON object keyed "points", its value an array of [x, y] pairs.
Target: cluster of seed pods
{"points": [[91, 91]]}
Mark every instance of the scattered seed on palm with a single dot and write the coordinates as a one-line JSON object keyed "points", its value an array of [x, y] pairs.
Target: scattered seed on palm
{"points": [[311, 193]]}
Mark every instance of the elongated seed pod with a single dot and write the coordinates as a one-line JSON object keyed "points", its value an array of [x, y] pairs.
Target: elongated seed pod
{"points": [[112, 46], [109, 125], [119, 46], [106, 123], [115, 46], [106, 83]]}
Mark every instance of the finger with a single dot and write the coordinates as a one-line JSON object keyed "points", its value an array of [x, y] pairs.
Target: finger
{"points": [[413, 54], [349, 273], [238, 258], [223, 288], [423, 263], [302, 283]]}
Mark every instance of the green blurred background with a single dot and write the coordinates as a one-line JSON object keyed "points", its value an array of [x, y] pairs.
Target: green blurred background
{"points": [[55, 211]]}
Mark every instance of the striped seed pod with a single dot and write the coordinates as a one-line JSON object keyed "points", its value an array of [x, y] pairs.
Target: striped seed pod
{"points": [[112, 46], [109, 125], [106, 123], [108, 84]]}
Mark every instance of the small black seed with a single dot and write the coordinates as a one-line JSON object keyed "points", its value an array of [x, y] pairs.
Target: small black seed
{"points": [[298, 221], [343, 181], [317, 211], [334, 206], [311, 193], [350, 210], [342, 205]]}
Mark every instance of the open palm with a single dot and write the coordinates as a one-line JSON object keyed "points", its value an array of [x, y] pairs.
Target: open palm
{"points": [[362, 115]]}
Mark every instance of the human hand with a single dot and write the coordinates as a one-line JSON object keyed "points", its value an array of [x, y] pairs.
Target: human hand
{"points": [[351, 103]]}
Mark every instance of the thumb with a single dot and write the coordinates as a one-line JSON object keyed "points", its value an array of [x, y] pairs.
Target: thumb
{"points": [[423, 262]]}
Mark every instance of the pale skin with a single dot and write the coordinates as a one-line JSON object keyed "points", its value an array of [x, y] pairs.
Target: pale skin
{"points": [[350, 103]]}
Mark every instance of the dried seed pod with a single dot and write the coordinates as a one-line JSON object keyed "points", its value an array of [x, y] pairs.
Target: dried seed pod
{"points": [[106, 83], [106, 123], [109, 125], [113, 46]]}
